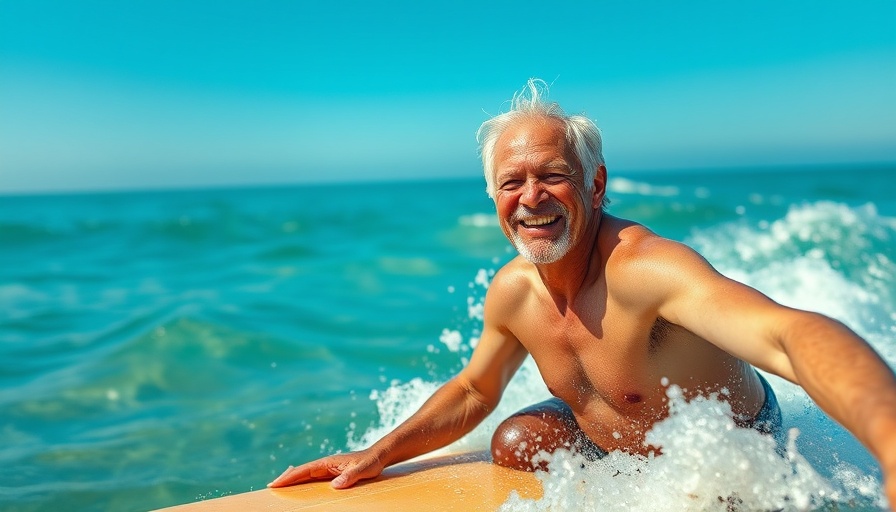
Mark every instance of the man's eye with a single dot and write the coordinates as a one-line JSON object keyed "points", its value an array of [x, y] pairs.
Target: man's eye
{"points": [[510, 184]]}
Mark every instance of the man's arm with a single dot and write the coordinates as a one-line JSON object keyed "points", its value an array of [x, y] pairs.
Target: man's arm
{"points": [[453, 411], [837, 368]]}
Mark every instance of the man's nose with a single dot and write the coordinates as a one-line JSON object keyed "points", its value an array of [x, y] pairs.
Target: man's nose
{"points": [[533, 193]]}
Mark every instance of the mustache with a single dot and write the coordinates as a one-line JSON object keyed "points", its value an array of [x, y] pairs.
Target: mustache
{"points": [[524, 212]]}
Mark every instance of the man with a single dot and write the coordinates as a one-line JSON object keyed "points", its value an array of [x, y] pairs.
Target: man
{"points": [[613, 314]]}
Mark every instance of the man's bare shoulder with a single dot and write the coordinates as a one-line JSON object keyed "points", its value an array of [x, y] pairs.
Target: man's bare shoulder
{"points": [[639, 261], [634, 245], [510, 286], [515, 276]]}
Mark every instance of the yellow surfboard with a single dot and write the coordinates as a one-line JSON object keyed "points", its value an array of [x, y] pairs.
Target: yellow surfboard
{"points": [[467, 482]]}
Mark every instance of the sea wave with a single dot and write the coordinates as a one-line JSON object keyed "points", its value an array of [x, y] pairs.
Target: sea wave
{"points": [[479, 220], [823, 256], [628, 186]]}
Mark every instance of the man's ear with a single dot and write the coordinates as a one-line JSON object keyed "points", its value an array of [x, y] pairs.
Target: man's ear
{"points": [[600, 187]]}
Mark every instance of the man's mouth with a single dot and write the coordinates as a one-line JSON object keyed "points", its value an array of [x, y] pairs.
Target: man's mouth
{"points": [[544, 220]]}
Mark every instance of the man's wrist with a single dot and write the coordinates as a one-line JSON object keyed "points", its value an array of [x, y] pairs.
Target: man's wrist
{"points": [[383, 451]]}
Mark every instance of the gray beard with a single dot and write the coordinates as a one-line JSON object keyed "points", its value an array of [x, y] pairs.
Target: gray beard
{"points": [[545, 252], [542, 252]]}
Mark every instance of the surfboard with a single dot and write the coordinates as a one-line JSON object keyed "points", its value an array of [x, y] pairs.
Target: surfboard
{"points": [[468, 482]]}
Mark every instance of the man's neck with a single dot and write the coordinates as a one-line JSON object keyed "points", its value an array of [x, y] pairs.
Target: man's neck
{"points": [[577, 270]]}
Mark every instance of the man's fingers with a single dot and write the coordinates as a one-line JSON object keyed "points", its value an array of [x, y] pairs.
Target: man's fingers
{"points": [[277, 482], [349, 476], [347, 470], [294, 475], [288, 477], [344, 480]]}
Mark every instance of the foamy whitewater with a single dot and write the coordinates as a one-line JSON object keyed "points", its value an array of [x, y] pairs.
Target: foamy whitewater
{"points": [[159, 348]]}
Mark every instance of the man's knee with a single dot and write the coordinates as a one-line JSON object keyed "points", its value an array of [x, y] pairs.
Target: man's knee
{"points": [[513, 444], [519, 439]]}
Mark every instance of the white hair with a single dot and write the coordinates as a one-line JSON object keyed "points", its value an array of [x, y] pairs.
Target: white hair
{"points": [[582, 134]]}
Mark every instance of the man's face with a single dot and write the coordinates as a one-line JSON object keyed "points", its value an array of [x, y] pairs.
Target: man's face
{"points": [[540, 194]]}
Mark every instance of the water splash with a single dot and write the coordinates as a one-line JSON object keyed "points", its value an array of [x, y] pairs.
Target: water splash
{"points": [[708, 463]]}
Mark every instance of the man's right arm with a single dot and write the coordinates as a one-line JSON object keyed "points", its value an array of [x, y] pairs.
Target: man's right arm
{"points": [[453, 410]]}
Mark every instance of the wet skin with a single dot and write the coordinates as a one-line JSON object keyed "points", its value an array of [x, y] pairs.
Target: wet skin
{"points": [[602, 349]]}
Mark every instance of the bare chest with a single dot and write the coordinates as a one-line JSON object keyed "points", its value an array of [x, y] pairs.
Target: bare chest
{"points": [[613, 368], [601, 359]]}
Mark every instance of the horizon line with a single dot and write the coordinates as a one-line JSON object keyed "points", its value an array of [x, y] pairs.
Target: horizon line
{"points": [[385, 180]]}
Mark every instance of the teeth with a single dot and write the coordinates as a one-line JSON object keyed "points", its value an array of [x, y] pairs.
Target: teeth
{"points": [[540, 221]]}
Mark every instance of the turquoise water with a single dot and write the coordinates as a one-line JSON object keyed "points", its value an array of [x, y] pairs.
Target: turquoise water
{"points": [[162, 347]]}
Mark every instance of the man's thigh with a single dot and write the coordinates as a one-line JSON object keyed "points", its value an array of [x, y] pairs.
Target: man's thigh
{"points": [[544, 427]]}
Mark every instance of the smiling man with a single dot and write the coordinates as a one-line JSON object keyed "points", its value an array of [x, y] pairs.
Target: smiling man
{"points": [[613, 314]]}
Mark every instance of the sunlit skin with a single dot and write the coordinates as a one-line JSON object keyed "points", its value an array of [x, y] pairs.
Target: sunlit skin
{"points": [[593, 353], [611, 321]]}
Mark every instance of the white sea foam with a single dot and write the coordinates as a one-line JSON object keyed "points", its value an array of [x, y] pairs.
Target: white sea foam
{"points": [[707, 464], [479, 220], [627, 186], [451, 339]]}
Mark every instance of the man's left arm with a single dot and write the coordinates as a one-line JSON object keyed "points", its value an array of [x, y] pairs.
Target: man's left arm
{"points": [[839, 370], [847, 379]]}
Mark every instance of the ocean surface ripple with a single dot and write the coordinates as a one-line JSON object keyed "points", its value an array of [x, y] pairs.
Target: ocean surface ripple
{"points": [[162, 347]]}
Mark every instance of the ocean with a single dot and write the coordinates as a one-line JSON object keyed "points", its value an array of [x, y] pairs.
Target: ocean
{"points": [[162, 347]]}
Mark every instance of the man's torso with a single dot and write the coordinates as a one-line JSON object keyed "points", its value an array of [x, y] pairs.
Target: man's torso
{"points": [[610, 358]]}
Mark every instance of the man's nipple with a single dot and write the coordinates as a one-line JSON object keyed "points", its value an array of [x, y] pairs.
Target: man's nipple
{"points": [[632, 398]]}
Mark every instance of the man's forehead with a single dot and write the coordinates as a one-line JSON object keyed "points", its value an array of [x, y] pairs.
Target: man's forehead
{"points": [[527, 129], [534, 138], [511, 166]]}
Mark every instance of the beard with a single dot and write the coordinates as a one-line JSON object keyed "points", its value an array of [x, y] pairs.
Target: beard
{"points": [[542, 251]]}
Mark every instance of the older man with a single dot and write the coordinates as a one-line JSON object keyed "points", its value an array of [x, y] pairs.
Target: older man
{"points": [[613, 314]]}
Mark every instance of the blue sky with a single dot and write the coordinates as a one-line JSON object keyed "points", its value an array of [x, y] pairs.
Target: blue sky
{"points": [[137, 94]]}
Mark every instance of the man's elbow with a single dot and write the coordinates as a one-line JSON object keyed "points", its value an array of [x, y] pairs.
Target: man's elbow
{"points": [[476, 398]]}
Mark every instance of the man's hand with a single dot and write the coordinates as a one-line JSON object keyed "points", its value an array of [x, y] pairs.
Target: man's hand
{"points": [[344, 469]]}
